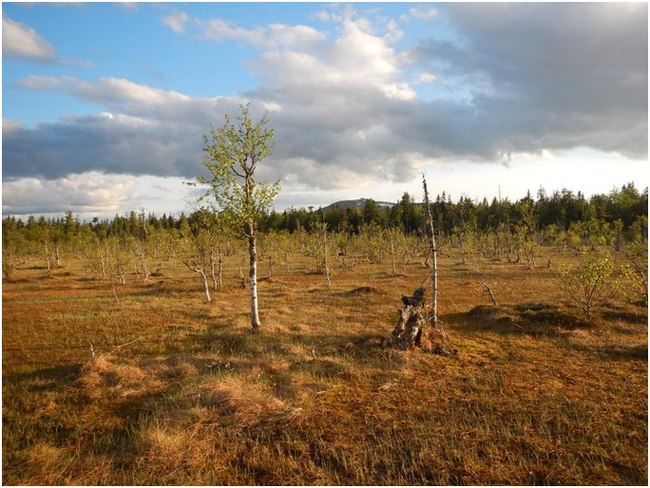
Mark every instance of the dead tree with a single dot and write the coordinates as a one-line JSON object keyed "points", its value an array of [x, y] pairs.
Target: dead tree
{"points": [[326, 260], [488, 290], [411, 329], [410, 323], [434, 252]]}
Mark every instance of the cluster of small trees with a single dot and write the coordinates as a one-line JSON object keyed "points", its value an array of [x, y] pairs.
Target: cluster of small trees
{"points": [[237, 206]]}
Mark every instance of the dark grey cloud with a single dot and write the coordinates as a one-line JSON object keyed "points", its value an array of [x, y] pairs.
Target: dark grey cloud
{"points": [[555, 76], [121, 145], [525, 78]]}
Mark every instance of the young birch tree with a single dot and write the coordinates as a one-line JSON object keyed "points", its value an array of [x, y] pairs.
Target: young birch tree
{"points": [[232, 155]]}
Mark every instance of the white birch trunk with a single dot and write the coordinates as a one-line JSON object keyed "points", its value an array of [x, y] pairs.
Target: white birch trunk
{"points": [[205, 285], [252, 275], [219, 270], [47, 258], [193, 266], [213, 272]]}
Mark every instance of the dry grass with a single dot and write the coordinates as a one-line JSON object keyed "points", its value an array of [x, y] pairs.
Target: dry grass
{"points": [[534, 395]]}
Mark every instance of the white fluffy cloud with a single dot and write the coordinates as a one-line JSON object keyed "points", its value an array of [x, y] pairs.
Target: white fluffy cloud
{"points": [[95, 193], [20, 41], [92, 192], [114, 92]]}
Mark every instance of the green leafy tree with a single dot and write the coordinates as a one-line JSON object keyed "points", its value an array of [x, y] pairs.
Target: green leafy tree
{"points": [[635, 273], [591, 283], [13, 241], [232, 155]]}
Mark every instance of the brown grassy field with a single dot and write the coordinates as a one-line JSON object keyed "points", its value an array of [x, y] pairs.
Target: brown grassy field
{"points": [[179, 392]]}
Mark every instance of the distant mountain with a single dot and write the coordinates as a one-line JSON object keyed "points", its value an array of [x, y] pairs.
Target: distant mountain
{"points": [[358, 203]]}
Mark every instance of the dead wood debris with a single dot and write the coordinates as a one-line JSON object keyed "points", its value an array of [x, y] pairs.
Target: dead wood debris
{"points": [[415, 329]]}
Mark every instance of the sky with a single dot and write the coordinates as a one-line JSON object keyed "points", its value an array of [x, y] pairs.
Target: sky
{"points": [[105, 105]]}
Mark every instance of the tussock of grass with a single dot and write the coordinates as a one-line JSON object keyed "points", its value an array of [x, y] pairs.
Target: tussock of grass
{"points": [[44, 457], [363, 290], [122, 378], [246, 403]]}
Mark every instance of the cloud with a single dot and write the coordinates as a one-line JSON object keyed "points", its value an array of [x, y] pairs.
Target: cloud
{"points": [[423, 12], [95, 193], [88, 192], [159, 132], [549, 76], [110, 91], [511, 79], [10, 125], [176, 21], [271, 36], [22, 42], [426, 78], [111, 143], [128, 5]]}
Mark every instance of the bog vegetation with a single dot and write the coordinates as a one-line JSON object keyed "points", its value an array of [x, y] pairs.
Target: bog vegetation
{"points": [[128, 358]]}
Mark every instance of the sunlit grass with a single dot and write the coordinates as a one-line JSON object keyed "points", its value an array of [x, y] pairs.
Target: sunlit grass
{"points": [[180, 392]]}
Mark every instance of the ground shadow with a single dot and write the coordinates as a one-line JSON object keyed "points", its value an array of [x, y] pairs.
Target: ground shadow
{"points": [[615, 352], [46, 379], [525, 318]]}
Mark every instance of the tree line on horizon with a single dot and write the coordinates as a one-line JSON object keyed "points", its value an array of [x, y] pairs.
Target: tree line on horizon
{"points": [[623, 210]]}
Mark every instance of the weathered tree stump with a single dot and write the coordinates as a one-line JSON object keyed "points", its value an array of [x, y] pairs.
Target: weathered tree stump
{"points": [[411, 329]]}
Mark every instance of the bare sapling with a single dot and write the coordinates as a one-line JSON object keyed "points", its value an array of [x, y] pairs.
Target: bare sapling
{"points": [[488, 289], [434, 253], [193, 265], [117, 299], [96, 255], [284, 243], [216, 268], [270, 244], [392, 255], [119, 257], [415, 327], [213, 232], [142, 250], [57, 256], [326, 261], [396, 243], [200, 253], [48, 258]]}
